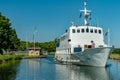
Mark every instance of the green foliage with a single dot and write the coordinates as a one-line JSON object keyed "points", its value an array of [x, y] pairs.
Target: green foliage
{"points": [[10, 57], [22, 46], [48, 46], [116, 51], [45, 46], [8, 36]]}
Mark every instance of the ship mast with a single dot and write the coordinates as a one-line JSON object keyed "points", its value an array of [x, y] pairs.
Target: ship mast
{"points": [[86, 13]]}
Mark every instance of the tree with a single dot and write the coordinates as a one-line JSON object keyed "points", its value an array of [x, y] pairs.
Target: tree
{"points": [[8, 36], [22, 46], [48, 46]]}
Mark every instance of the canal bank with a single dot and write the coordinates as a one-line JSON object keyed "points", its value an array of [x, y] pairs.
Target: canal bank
{"points": [[6, 58], [115, 56]]}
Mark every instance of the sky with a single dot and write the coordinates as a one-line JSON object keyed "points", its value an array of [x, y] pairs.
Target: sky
{"points": [[50, 18]]}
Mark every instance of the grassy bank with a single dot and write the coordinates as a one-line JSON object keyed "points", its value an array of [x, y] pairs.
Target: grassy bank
{"points": [[115, 54], [4, 58]]}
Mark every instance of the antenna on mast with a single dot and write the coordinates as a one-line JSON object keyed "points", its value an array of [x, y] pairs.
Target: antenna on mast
{"points": [[86, 13]]}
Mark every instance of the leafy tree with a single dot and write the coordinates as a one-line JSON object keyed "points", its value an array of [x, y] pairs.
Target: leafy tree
{"points": [[45, 46], [48, 46], [22, 46], [8, 36]]}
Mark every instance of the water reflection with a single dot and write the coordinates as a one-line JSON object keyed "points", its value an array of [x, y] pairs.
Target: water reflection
{"points": [[83, 73], [36, 69], [114, 70], [8, 70], [47, 69]]}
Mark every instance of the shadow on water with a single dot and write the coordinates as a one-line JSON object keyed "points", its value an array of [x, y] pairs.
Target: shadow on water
{"points": [[49, 60], [8, 70]]}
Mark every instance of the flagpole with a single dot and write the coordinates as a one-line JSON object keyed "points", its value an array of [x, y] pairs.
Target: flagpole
{"points": [[26, 43], [108, 37], [34, 36], [34, 39]]}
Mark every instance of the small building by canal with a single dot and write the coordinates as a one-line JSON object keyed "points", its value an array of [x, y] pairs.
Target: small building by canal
{"points": [[34, 51]]}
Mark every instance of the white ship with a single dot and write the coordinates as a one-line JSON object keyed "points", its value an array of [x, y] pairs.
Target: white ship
{"points": [[83, 45]]}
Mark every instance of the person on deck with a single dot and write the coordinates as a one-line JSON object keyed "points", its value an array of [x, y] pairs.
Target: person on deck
{"points": [[92, 44]]}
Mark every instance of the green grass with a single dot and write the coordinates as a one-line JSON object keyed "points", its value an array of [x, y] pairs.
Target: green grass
{"points": [[51, 53], [4, 58], [115, 56]]}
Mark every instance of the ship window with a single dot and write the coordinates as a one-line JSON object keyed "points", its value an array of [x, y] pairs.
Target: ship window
{"points": [[62, 38], [58, 44], [77, 49], [78, 30], [73, 30], [82, 30], [87, 30], [95, 30], [99, 31], [66, 30], [91, 30]]}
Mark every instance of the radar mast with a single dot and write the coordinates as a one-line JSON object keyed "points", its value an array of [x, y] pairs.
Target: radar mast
{"points": [[87, 13]]}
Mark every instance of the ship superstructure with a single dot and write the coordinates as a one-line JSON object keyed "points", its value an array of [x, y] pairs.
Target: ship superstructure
{"points": [[75, 45]]}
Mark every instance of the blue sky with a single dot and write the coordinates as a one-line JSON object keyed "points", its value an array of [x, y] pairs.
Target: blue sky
{"points": [[52, 17]]}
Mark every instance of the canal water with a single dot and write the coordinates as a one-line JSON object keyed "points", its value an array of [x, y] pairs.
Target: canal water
{"points": [[47, 69]]}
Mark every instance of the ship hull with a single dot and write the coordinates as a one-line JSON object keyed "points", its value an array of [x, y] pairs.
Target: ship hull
{"points": [[90, 57], [94, 57]]}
